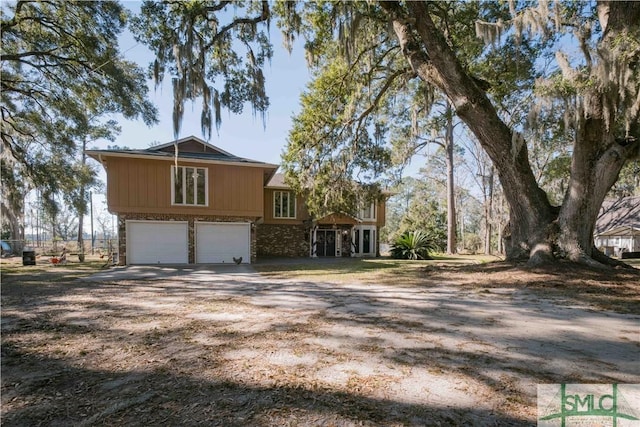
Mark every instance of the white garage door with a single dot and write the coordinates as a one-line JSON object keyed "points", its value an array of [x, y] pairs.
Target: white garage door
{"points": [[157, 242], [221, 242]]}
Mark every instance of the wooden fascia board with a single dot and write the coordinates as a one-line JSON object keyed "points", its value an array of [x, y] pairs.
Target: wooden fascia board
{"points": [[97, 155], [190, 138]]}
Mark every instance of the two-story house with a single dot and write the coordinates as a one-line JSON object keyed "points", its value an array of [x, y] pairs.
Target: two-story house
{"points": [[189, 202]]}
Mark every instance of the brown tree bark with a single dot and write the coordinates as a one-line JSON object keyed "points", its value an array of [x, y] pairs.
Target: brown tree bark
{"points": [[451, 196], [537, 231], [488, 207]]}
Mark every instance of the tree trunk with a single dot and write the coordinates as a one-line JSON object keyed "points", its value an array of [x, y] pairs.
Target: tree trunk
{"points": [[463, 241], [598, 156], [500, 249], [596, 164], [81, 210], [536, 229], [15, 228], [488, 229], [80, 236], [451, 204], [531, 212]]}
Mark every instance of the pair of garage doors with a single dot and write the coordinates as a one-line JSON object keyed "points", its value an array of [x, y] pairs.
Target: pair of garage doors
{"points": [[167, 242]]}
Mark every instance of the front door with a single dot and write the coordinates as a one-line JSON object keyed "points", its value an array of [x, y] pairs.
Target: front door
{"points": [[364, 240], [326, 243]]}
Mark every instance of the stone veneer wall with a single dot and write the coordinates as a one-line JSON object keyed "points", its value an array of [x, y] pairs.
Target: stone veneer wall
{"points": [[282, 240], [192, 219]]}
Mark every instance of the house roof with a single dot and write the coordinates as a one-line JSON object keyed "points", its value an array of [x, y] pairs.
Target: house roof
{"points": [[277, 181], [621, 231], [191, 148], [616, 215], [338, 218]]}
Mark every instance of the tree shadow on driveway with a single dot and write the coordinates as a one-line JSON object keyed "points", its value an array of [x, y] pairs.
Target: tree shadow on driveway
{"points": [[243, 350], [61, 394]]}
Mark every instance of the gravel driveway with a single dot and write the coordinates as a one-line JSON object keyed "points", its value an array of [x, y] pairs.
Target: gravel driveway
{"points": [[229, 347]]}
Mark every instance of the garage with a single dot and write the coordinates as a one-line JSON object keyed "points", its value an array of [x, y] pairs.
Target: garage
{"points": [[221, 242], [157, 242]]}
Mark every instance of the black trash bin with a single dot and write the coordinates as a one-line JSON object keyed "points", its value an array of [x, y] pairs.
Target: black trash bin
{"points": [[28, 257]]}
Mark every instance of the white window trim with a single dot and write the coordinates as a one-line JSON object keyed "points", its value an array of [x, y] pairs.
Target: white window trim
{"points": [[373, 210], [184, 188], [373, 242], [295, 205]]}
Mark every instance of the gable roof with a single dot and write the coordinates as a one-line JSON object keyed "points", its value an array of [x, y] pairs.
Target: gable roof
{"points": [[191, 148], [190, 140], [617, 214], [338, 218], [277, 181], [621, 231]]}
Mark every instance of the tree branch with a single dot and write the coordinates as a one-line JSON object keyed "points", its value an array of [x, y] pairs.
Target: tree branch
{"points": [[263, 17], [380, 94]]}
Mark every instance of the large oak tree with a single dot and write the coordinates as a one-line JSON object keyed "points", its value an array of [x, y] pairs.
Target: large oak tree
{"points": [[605, 95], [599, 92]]}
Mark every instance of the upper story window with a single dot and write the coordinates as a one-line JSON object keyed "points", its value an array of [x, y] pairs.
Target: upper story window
{"points": [[368, 213], [189, 186], [284, 204]]}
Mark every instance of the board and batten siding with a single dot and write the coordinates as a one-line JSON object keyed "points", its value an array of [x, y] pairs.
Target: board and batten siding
{"points": [[381, 214], [301, 210], [142, 185]]}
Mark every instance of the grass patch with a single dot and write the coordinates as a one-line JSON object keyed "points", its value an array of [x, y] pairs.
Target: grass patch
{"points": [[615, 290], [363, 270], [563, 282], [12, 271]]}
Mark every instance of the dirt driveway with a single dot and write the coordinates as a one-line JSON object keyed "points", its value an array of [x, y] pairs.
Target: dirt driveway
{"points": [[238, 349]]}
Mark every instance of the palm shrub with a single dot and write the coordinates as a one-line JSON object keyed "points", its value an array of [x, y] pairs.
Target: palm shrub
{"points": [[412, 245]]}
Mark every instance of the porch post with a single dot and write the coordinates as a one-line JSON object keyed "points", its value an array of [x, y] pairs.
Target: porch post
{"points": [[352, 252], [312, 246]]}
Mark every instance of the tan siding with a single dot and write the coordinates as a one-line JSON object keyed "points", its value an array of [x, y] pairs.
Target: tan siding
{"points": [[122, 176], [152, 188], [301, 210], [141, 185], [145, 182], [382, 213], [229, 179]]}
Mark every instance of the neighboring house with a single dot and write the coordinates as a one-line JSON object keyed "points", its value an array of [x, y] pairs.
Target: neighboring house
{"points": [[189, 202], [618, 226]]}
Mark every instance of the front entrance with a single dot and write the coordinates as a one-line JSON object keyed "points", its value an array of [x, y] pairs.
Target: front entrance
{"points": [[326, 242], [364, 240]]}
